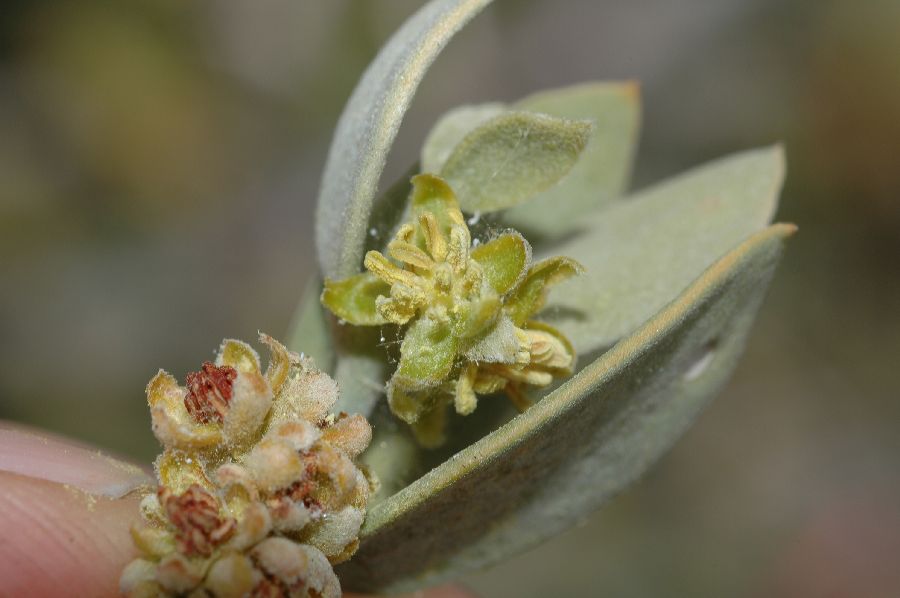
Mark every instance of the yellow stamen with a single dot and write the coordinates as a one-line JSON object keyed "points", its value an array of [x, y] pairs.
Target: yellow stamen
{"points": [[458, 253], [381, 267], [465, 400], [434, 239], [410, 254]]}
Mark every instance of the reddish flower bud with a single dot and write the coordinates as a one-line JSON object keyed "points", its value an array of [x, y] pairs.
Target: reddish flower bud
{"points": [[195, 513], [209, 392]]}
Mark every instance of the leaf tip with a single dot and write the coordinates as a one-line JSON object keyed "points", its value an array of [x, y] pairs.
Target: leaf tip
{"points": [[787, 229]]}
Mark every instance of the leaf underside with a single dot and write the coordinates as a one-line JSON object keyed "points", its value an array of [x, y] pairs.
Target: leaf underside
{"points": [[548, 467]]}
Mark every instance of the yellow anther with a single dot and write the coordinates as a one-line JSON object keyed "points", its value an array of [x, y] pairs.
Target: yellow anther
{"points": [[458, 252], [406, 232], [409, 254], [473, 278], [381, 267], [465, 400], [456, 216], [443, 277], [487, 383], [394, 311], [434, 238], [413, 296]]}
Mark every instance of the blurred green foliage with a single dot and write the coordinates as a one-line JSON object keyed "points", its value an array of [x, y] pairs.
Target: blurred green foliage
{"points": [[158, 164]]}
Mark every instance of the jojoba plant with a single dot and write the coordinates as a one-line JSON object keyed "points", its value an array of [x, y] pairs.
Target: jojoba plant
{"points": [[516, 261]]}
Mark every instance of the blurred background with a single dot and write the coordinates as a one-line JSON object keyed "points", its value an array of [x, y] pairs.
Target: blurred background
{"points": [[159, 162]]}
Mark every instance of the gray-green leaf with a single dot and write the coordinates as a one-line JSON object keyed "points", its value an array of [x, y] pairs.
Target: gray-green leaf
{"points": [[640, 253], [561, 459], [603, 170], [513, 157], [451, 128], [368, 126]]}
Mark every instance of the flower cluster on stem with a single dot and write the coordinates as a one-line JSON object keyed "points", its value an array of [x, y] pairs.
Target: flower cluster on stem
{"points": [[259, 493], [466, 309]]}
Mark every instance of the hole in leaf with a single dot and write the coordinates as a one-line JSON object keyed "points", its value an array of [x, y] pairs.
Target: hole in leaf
{"points": [[701, 363]]}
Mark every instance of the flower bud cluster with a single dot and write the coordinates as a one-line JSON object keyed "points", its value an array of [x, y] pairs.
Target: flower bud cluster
{"points": [[259, 493], [466, 311]]}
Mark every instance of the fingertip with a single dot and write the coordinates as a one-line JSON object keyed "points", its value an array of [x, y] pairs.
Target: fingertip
{"points": [[61, 541], [39, 454]]}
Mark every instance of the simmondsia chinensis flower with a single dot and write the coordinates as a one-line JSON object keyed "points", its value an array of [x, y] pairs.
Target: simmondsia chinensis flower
{"points": [[467, 310]]}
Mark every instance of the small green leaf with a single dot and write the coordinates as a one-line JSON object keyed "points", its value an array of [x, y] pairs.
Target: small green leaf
{"points": [[426, 355], [426, 358], [641, 252], [568, 454], [504, 260], [529, 297], [432, 194], [512, 157], [602, 171], [451, 128], [353, 299], [368, 126]]}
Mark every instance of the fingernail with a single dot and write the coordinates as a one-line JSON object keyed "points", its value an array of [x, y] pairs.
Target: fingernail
{"points": [[38, 455]]}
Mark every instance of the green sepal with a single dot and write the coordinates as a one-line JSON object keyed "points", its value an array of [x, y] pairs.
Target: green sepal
{"points": [[432, 194], [531, 294], [504, 260], [353, 299], [426, 354], [477, 316]]}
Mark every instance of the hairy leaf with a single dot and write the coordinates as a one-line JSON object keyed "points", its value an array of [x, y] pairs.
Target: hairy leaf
{"points": [[353, 299], [513, 157], [431, 194], [426, 355], [504, 260], [532, 293], [451, 128], [602, 171]]}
